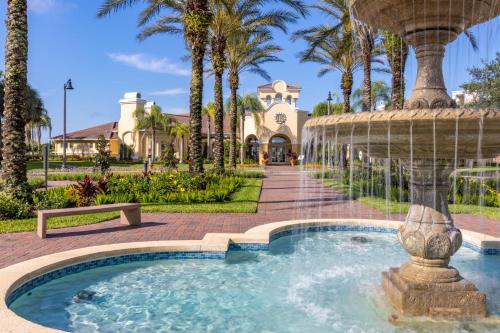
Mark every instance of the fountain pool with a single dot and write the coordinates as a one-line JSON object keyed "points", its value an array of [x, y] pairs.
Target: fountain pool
{"points": [[305, 282]]}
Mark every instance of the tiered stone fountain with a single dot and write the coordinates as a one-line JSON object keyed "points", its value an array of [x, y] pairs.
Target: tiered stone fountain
{"points": [[428, 136]]}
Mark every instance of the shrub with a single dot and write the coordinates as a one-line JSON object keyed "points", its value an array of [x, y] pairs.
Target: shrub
{"points": [[102, 160], [60, 197], [12, 208], [168, 157]]}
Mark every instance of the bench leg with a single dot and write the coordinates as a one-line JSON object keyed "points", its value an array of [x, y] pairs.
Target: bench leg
{"points": [[130, 216], [41, 229]]}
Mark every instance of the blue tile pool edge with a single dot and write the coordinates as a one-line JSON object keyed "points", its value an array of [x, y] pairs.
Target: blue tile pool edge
{"points": [[153, 256]]}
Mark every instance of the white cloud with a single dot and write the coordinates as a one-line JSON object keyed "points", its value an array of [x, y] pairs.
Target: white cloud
{"points": [[169, 92], [150, 64], [41, 6]]}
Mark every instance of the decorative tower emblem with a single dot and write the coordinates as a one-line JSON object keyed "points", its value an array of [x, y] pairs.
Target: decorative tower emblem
{"points": [[280, 118]]}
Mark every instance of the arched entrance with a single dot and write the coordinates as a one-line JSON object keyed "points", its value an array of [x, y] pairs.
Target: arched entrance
{"points": [[279, 145], [252, 148]]}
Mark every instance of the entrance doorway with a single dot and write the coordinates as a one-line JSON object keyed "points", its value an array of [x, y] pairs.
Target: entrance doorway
{"points": [[278, 148]]}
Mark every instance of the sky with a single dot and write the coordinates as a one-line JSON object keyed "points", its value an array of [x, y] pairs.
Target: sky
{"points": [[104, 59]]}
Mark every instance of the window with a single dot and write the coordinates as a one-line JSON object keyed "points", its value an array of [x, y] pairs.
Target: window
{"points": [[278, 98], [278, 139], [268, 100], [289, 99]]}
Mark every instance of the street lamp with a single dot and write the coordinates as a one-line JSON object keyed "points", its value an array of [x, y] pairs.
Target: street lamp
{"points": [[67, 86], [329, 100]]}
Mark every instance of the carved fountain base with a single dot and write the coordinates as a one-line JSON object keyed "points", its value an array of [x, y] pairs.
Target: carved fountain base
{"points": [[451, 300], [426, 285]]}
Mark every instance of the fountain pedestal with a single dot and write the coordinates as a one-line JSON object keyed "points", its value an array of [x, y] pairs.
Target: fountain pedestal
{"points": [[427, 285]]}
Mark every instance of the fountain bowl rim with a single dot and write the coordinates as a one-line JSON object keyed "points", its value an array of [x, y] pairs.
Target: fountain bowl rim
{"points": [[14, 276]]}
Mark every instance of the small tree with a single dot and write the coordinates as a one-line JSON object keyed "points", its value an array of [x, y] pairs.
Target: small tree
{"points": [[168, 157], [485, 84], [103, 156]]}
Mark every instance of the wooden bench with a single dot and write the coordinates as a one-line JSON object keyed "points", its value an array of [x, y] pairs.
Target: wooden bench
{"points": [[130, 214]]}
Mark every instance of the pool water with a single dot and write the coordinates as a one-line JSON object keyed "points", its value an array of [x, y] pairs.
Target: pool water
{"points": [[310, 282]]}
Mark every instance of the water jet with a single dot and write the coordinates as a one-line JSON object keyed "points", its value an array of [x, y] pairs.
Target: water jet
{"points": [[428, 136]]}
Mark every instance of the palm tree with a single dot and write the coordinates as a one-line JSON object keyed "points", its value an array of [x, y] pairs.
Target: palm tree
{"points": [[380, 93], [193, 19], [246, 52], [152, 121], [180, 131], [14, 164], [367, 37], [35, 111], [396, 51], [335, 53], [249, 46], [209, 112], [45, 123], [249, 104]]}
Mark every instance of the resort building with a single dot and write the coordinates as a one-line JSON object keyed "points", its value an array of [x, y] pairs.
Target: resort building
{"points": [[274, 134]]}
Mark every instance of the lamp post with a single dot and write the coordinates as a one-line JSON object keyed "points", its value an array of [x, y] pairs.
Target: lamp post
{"points": [[329, 100], [67, 86]]}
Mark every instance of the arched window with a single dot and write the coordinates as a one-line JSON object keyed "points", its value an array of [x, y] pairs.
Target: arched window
{"points": [[278, 98], [278, 139], [268, 100], [289, 99]]}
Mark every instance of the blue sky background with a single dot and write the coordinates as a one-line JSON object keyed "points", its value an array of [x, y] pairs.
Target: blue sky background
{"points": [[104, 60]]}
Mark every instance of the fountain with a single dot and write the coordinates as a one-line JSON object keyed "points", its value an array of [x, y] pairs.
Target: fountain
{"points": [[424, 137]]}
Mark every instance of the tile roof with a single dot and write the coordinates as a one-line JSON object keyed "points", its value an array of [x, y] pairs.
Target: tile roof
{"points": [[109, 130], [270, 86]]}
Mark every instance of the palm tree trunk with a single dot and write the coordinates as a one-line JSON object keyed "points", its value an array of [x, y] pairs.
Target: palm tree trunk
{"points": [[153, 145], [219, 64], [39, 138], [219, 124], [367, 49], [233, 84], [181, 150], [242, 136], [347, 91], [209, 145], [197, 18], [15, 87], [398, 63]]}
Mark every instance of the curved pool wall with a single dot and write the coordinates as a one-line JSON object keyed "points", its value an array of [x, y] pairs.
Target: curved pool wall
{"points": [[19, 279]]}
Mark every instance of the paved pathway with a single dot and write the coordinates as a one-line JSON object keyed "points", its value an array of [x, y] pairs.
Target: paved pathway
{"points": [[286, 195]]}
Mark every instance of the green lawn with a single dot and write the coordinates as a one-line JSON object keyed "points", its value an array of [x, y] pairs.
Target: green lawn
{"points": [[56, 165], [402, 207], [391, 207], [243, 201]]}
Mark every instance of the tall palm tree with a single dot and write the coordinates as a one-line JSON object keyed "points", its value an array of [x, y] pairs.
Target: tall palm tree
{"points": [[35, 111], [193, 19], [246, 52], [367, 37], [249, 104], [180, 131], [232, 19], [44, 124], [396, 51], [340, 22], [335, 52], [209, 112], [152, 122], [14, 164], [380, 93]]}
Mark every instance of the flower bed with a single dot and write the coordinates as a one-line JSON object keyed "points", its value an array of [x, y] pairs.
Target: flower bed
{"points": [[161, 188]]}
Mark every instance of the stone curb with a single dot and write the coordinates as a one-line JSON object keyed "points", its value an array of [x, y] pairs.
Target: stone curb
{"points": [[14, 276]]}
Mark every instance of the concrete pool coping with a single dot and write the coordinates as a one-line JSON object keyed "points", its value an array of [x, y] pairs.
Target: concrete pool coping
{"points": [[13, 277]]}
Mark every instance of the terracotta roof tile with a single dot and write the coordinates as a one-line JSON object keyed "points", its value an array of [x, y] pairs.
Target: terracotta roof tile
{"points": [[92, 133]]}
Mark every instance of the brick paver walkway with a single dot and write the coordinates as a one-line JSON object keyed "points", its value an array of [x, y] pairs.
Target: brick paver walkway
{"points": [[286, 195]]}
